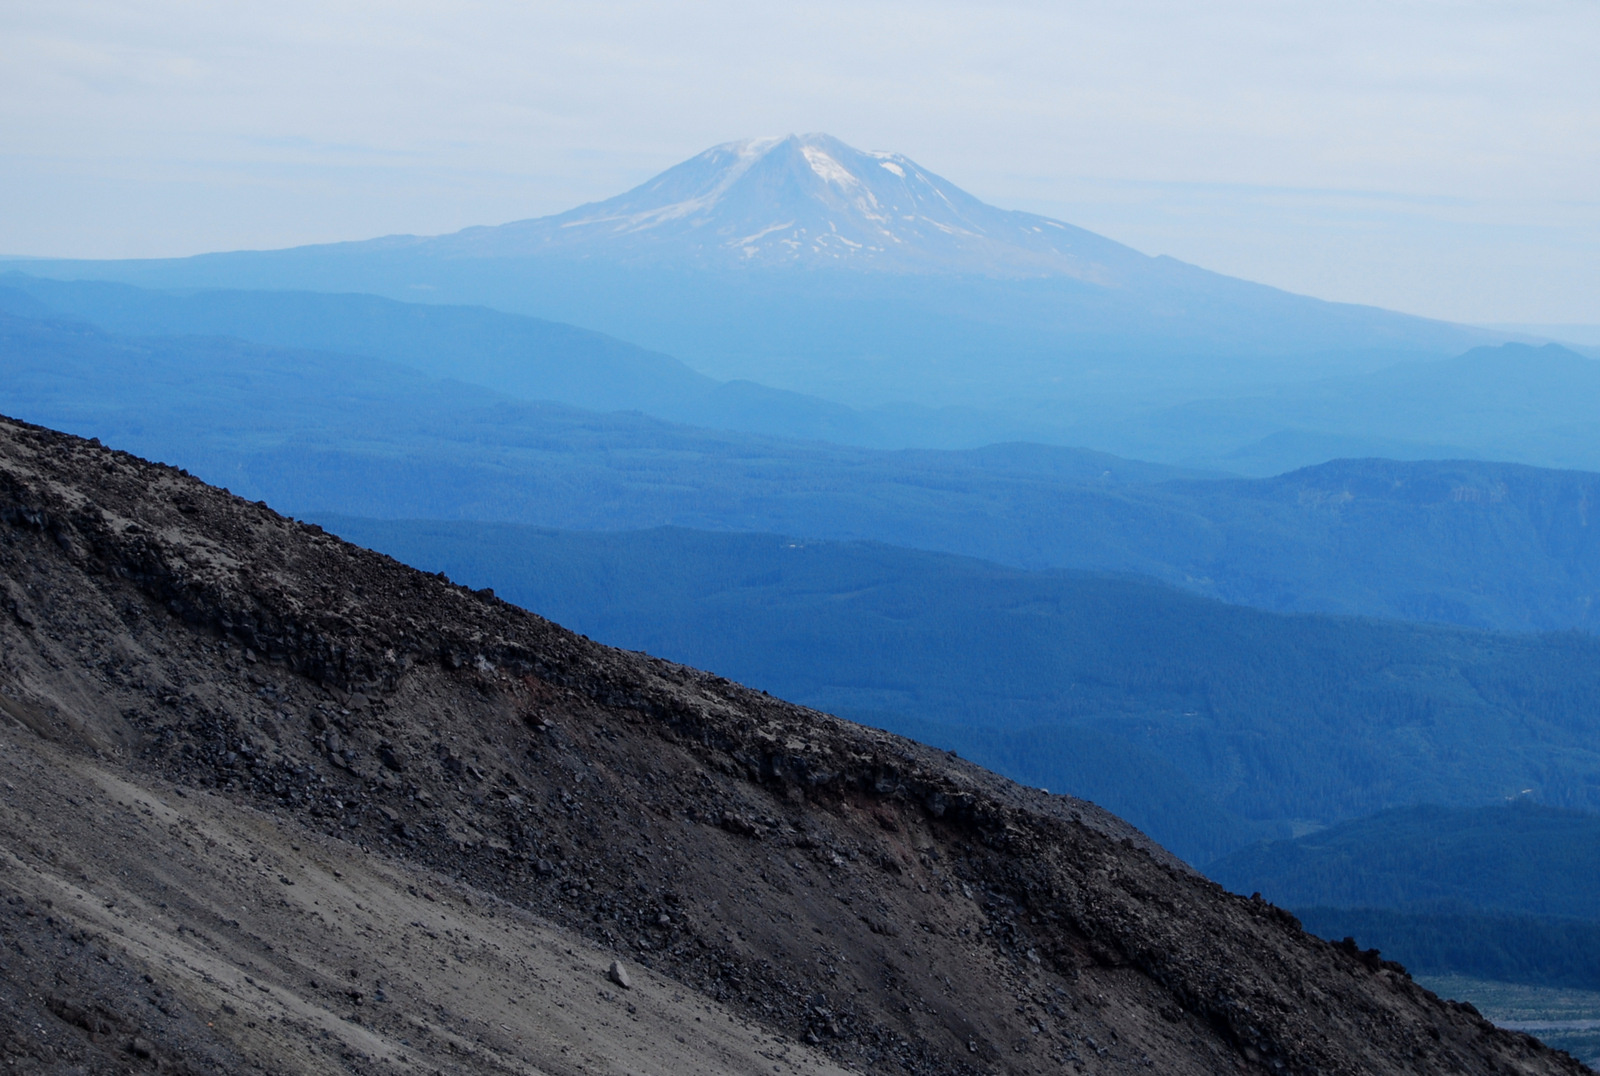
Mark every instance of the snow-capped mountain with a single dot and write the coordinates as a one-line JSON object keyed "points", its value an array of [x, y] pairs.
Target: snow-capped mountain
{"points": [[807, 200], [939, 299]]}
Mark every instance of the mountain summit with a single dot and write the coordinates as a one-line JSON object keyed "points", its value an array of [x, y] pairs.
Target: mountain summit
{"points": [[807, 200]]}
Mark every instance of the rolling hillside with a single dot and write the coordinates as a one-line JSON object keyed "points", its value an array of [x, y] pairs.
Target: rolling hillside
{"points": [[1488, 545]]}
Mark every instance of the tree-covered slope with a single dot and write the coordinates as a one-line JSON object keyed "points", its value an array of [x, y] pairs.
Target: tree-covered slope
{"points": [[1500, 948], [1206, 724], [1508, 892], [1519, 858]]}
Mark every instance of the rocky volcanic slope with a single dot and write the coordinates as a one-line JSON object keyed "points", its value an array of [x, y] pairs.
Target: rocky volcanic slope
{"points": [[274, 803]]}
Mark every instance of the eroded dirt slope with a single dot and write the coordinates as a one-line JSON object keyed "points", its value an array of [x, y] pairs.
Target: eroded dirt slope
{"points": [[224, 940], [219, 715]]}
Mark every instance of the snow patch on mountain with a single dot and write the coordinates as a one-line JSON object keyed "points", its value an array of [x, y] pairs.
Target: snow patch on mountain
{"points": [[828, 168], [808, 200]]}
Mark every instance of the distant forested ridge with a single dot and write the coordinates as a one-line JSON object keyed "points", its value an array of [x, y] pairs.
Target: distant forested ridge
{"points": [[1483, 544], [1509, 892], [1515, 401], [1206, 724], [1502, 948], [1533, 405], [1523, 858]]}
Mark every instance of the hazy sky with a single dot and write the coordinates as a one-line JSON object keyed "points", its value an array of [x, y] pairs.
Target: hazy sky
{"points": [[1441, 158]]}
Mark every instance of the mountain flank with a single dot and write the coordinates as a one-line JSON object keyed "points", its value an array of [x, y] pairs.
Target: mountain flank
{"points": [[1513, 402], [806, 201], [275, 803], [1515, 858]]}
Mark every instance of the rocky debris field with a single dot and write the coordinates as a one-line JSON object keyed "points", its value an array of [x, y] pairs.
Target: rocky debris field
{"points": [[275, 803], [192, 934]]}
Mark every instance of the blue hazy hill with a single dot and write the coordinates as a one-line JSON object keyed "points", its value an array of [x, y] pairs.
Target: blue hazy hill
{"points": [[1512, 402], [523, 357], [1492, 545], [515, 355], [1518, 402]]}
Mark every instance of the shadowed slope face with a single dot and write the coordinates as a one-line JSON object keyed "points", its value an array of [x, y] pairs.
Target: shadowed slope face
{"points": [[1508, 893], [898, 908], [808, 201]]}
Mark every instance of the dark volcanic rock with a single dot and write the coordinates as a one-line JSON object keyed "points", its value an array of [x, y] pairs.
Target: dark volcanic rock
{"points": [[899, 909]]}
